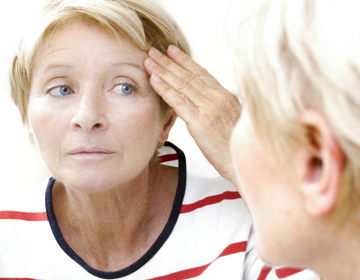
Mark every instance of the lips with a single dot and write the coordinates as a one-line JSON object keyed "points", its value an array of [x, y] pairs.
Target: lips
{"points": [[90, 151]]}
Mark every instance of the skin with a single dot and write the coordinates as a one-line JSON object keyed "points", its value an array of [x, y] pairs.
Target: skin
{"points": [[98, 141], [266, 188]]}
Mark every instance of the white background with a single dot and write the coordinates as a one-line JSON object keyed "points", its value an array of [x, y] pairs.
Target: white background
{"points": [[20, 162]]}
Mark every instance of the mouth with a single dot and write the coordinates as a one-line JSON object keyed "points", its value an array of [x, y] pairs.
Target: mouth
{"points": [[90, 152]]}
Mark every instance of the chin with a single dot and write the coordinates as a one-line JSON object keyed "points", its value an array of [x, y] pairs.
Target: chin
{"points": [[89, 185]]}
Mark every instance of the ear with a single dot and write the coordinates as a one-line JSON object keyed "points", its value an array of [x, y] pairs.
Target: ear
{"points": [[321, 165], [30, 130], [164, 135]]}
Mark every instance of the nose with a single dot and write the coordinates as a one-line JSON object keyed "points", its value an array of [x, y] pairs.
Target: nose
{"points": [[90, 112]]}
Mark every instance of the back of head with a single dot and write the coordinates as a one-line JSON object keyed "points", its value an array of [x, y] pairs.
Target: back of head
{"points": [[298, 55], [143, 21]]}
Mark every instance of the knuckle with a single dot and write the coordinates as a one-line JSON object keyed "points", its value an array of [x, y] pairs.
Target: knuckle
{"points": [[188, 76], [183, 59], [161, 71], [180, 100], [201, 72], [167, 90], [167, 61], [183, 84]]}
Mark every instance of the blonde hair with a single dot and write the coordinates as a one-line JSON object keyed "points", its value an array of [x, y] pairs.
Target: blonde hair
{"points": [[143, 21], [301, 54]]}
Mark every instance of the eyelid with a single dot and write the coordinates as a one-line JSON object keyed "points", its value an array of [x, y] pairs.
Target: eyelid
{"points": [[125, 81], [59, 86], [119, 91]]}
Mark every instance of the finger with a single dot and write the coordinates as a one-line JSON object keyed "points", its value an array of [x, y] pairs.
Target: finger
{"points": [[183, 86], [178, 71], [183, 107], [186, 62]]}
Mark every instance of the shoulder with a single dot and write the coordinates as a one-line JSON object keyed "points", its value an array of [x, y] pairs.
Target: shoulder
{"points": [[213, 191], [206, 197], [198, 185], [216, 207], [210, 184], [288, 274]]}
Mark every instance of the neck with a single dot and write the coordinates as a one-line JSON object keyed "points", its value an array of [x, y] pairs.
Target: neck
{"points": [[126, 219], [341, 259]]}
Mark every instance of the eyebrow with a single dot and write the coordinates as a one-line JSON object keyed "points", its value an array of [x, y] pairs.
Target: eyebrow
{"points": [[54, 66], [128, 64]]}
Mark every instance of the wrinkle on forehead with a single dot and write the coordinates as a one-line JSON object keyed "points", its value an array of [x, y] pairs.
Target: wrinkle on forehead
{"points": [[127, 51]]}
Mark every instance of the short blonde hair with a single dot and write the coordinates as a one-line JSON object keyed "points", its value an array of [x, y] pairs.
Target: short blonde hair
{"points": [[143, 21], [300, 54]]}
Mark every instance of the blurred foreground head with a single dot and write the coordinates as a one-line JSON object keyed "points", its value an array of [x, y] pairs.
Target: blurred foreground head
{"points": [[299, 73]]}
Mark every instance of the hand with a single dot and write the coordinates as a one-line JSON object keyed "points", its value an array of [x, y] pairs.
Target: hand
{"points": [[209, 110]]}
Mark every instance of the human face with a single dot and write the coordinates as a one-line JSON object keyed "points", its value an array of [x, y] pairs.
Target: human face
{"points": [[270, 194], [92, 112]]}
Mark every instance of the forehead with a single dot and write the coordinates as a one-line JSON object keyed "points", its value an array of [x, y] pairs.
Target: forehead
{"points": [[79, 41]]}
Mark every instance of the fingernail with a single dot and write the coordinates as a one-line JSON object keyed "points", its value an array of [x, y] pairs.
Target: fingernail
{"points": [[149, 61], [155, 52], [173, 49], [155, 78]]}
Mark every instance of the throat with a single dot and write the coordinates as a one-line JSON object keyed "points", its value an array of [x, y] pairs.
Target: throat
{"points": [[112, 230]]}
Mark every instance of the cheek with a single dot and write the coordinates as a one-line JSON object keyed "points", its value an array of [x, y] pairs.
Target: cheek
{"points": [[46, 126], [242, 156], [138, 122], [249, 178], [250, 168]]}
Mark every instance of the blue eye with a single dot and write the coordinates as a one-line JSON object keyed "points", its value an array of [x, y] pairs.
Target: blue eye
{"points": [[123, 89], [65, 90], [60, 91], [127, 89]]}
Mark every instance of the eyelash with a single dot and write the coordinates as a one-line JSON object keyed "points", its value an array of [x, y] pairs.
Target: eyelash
{"points": [[135, 88], [58, 86]]}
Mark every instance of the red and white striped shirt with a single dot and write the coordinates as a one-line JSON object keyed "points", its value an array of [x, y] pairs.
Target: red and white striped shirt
{"points": [[208, 236]]}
